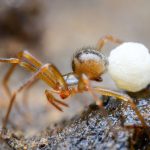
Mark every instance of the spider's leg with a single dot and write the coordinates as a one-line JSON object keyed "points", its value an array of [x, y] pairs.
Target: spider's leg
{"points": [[27, 83], [108, 38], [123, 97], [54, 101], [18, 61], [84, 85], [52, 72], [35, 62], [57, 76], [14, 62]]}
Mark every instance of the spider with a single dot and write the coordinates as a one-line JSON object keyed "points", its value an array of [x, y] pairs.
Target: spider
{"points": [[87, 64]]}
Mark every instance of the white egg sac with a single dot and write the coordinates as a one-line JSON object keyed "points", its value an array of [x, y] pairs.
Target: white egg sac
{"points": [[129, 66]]}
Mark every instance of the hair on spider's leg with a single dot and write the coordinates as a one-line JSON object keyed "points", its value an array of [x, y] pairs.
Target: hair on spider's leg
{"points": [[105, 39], [124, 98]]}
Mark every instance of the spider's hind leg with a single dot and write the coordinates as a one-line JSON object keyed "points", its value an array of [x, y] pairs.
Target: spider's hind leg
{"points": [[124, 98], [26, 84], [84, 85], [105, 39]]}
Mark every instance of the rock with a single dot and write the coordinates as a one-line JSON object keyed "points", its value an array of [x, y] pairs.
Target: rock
{"points": [[91, 130]]}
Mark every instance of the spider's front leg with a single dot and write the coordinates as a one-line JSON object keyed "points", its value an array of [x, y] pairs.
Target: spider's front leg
{"points": [[50, 75], [15, 62], [41, 73]]}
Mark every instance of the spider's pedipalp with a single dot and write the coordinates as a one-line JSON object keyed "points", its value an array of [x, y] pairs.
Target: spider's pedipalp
{"points": [[54, 101]]}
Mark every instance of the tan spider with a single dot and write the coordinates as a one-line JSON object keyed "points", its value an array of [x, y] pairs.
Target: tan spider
{"points": [[87, 64]]}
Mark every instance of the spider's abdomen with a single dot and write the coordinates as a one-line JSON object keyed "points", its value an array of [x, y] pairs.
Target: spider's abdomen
{"points": [[89, 62]]}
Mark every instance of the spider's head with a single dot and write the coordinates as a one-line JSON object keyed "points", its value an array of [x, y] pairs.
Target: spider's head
{"points": [[89, 62]]}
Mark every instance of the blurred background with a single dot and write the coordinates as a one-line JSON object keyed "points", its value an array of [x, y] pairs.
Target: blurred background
{"points": [[52, 30]]}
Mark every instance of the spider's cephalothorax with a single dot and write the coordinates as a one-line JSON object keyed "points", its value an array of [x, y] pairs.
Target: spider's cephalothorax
{"points": [[90, 62]]}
